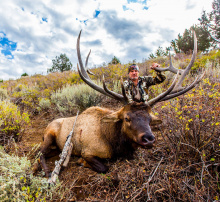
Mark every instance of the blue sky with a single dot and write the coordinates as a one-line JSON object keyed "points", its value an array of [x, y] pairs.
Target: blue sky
{"points": [[7, 46], [32, 33]]}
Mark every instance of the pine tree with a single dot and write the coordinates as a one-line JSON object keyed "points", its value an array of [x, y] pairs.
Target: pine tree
{"points": [[60, 64]]}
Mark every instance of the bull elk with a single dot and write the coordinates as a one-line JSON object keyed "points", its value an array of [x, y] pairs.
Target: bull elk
{"points": [[101, 133]]}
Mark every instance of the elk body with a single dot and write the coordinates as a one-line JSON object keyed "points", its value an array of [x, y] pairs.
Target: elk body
{"points": [[100, 133]]}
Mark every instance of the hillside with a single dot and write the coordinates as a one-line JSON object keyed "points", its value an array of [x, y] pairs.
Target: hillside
{"points": [[183, 166]]}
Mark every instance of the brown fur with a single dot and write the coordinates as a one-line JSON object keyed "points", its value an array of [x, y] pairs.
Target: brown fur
{"points": [[100, 133]]}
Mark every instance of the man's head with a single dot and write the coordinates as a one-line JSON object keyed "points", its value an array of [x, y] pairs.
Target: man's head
{"points": [[133, 72]]}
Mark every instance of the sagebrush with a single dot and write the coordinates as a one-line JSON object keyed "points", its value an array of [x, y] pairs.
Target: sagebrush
{"points": [[72, 97], [18, 184]]}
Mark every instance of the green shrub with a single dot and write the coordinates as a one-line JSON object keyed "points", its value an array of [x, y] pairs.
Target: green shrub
{"points": [[11, 122], [77, 96], [24, 74], [3, 94], [44, 104], [16, 182]]}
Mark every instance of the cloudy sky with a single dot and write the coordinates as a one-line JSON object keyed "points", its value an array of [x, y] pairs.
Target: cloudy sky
{"points": [[32, 33]]}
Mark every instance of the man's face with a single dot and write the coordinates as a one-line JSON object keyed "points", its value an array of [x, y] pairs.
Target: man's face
{"points": [[133, 74]]}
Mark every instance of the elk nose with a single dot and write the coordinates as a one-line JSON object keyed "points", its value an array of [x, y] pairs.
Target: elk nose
{"points": [[147, 140]]}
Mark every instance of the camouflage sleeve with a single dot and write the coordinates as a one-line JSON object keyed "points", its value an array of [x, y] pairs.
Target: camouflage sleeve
{"points": [[127, 91], [160, 77], [154, 80]]}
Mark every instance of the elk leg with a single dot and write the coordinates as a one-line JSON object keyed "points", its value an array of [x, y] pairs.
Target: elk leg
{"points": [[48, 140], [96, 164], [83, 163], [36, 167]]}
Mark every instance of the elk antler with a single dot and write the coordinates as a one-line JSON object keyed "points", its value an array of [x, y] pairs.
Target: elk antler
{"points": [[84, 76], [177, 88], [183, 72], [174, 90], [171, 68]]}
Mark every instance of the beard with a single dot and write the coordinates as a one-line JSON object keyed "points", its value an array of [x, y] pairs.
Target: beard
{"points": [[134, 78]]}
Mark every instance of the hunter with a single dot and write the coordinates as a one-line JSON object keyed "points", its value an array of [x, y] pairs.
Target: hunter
{"points": [[136, 87]]}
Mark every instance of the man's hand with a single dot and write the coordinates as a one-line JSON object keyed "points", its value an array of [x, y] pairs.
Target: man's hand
{"points": [[154, 65]]}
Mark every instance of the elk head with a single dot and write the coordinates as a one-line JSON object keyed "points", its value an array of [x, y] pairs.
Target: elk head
{"points": [[136, 119]]}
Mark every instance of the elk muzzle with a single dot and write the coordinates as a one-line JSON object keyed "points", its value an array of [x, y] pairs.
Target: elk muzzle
{"points": [[146, 140]]}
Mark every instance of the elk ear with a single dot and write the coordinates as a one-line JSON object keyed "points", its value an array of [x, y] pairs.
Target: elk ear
{"points": [[155, 120], [113, 117]]}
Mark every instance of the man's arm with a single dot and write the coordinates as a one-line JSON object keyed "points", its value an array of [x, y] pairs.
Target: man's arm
{"points": [[155, 80], [159, 78], [149, 80]]}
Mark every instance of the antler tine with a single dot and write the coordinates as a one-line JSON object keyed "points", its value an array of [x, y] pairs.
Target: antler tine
{"points": [[162, 95], [171, 68], [83, 71], [192, 85], [86, 63], [123, 91], [115, 95], [188, 68], [91, 84]]}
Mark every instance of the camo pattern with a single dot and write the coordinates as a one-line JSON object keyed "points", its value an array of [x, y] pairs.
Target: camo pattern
{"points": [[144, 82]]}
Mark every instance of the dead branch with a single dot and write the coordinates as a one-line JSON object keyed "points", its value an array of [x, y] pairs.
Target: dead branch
{"points": [[147, 183]]}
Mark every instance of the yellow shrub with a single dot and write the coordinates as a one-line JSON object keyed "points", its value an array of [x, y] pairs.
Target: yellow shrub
{"points": [[11, 121], [213, 57]]}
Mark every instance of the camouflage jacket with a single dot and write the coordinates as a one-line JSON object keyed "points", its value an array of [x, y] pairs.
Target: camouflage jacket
{"points": [[140, 92]]}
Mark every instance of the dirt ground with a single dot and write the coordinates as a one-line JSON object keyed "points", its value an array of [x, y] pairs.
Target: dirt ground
{"points": [[33, 133]]}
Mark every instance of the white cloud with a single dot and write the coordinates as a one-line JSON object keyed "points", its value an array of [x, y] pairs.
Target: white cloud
{"points": [[131, 33]]}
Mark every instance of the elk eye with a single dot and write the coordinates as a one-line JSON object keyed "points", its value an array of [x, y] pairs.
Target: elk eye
{"points": [[127, 120]]}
